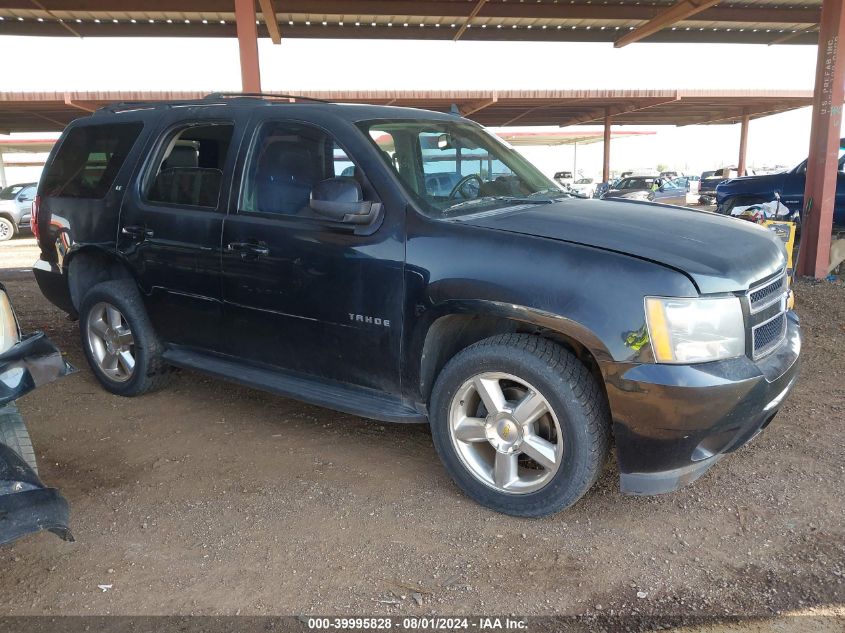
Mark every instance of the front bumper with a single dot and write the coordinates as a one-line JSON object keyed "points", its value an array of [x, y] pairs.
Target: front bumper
{"points": [[26, 504], [673, 422]]}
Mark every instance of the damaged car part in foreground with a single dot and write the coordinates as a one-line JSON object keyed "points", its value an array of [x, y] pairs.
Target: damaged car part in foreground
{"points": [[26, 504], [407, 266]]}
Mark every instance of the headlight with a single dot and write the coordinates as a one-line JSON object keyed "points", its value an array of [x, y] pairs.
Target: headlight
{"points": [[9, 333], [695, 330]]}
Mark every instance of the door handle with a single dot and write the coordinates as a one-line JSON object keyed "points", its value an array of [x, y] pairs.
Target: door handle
{"points": [[248, 250], [137, 232]]}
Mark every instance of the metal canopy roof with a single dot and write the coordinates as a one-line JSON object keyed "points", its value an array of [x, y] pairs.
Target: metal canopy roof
{"points": [[561, 138], [46, 111], [620, 21]]}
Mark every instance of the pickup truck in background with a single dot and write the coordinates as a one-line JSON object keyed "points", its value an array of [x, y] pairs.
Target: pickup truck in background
{"points": [[710, 180], [788, 184]]}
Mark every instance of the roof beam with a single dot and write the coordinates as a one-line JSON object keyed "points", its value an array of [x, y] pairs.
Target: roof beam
{"points": [[474, 106], [787, 37], [270, 20], [734, 116], [599, 114], [50, 13], [75, 104], [472, 14], [522, 115], [665, 18], [437, 8]]}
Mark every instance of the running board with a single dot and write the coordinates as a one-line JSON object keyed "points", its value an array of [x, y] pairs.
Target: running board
{"points": [[332, 395]]}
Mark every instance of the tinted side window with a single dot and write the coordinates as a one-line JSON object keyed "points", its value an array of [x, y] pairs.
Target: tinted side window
{"points": [[286, 160], [89, 159], [189, 170]]}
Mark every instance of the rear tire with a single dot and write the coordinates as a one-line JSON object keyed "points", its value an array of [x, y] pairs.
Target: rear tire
{"points": [[546, 440], [7, 229], [119, 341], [14, 434]]}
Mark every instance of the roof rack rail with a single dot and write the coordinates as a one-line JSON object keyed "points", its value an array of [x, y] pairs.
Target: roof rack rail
{"points": [[147, 105], [260, 95]]}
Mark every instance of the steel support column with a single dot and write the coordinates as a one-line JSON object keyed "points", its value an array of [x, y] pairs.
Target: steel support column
{"points": [[820, 190], [248, 45], [2, 172], [743, 145], [605, 172]]}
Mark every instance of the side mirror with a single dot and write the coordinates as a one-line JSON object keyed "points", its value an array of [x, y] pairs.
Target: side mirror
{"points": [[341, 199]]}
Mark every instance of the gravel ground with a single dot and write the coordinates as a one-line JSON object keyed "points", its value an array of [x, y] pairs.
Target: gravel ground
{"points": [[209, 498]]}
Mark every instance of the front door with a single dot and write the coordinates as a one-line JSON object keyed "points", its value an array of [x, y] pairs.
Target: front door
{"points": [[301, 293], [171, 225]]}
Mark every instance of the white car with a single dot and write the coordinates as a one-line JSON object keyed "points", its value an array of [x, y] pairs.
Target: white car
{"points": [[564, 179], [584, 187]]}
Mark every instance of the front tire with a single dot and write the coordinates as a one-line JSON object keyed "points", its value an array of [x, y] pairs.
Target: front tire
{"points": [[119, 341], [8, 230], [520, 424], [14, 434]]}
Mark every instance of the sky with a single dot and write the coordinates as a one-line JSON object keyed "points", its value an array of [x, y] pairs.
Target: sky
{"points": [[59, 64]]}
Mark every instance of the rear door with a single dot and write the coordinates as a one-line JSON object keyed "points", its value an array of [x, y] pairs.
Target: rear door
{"points": [[303, 294], [172, 219]]}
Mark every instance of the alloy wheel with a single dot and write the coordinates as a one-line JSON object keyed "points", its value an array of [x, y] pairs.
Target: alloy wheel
{"points": [[505, 433], [111, 342]]}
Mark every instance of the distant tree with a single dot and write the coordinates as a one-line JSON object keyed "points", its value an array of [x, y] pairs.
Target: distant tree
{"points": [[662, 167]]}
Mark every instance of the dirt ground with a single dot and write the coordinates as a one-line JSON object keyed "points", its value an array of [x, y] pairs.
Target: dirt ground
{"points": [[209, 498]]}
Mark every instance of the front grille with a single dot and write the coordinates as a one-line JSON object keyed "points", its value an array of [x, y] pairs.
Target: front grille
{"points": [[769, 334], [767, 309], [769, 293]]}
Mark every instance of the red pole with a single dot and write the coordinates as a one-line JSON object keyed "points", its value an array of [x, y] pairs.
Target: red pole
{"points": [[248, 44], [820, 189], [605, 173]]}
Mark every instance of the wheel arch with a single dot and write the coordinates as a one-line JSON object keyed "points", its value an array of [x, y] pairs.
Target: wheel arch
{"points": [[89, 266], [468, 323]]}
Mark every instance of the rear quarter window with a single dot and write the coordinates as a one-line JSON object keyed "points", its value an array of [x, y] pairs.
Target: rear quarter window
{"points": [[89, 159]]}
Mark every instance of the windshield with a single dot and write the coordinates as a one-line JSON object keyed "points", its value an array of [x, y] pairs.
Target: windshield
{"points": [[9, 193], [584, 181], [457, 168]]}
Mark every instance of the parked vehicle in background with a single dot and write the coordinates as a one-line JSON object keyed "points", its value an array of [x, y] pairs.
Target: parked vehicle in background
{"points": [[693, 183], [707, 186], [377, 296], [672, 192], [789, 185], [669, 175], [15, 209], [584, 187], [635, 188], [564, 178], [26, 362]]}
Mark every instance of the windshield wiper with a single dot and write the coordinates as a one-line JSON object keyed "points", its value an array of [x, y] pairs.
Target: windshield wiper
{"points": [[558, 193], [510, 199]]}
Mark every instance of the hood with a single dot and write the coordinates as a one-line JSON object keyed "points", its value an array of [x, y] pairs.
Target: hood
{"points": [[751, 181], [719, 253]]}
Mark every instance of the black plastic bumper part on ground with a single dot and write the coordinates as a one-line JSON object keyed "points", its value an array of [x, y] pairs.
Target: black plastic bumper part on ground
{"points": [[26, 504], [673, 422]]}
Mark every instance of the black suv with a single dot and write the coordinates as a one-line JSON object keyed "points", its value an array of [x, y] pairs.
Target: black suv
{"points": [[312, 250]]}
